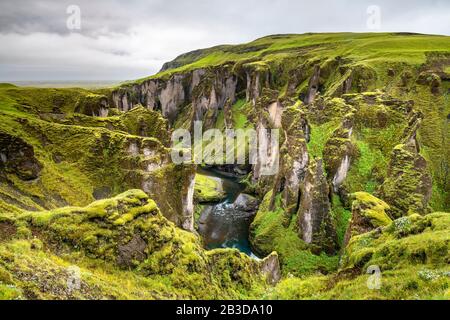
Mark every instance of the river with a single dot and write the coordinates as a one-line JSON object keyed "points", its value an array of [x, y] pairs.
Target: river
{"points": [[223, 225]]}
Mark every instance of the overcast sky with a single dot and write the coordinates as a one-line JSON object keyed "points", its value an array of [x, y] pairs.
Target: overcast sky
{"points": [[121, 40]]}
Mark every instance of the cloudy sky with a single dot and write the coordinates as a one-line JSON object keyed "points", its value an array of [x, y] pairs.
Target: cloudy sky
{"points": [[121, 40]]}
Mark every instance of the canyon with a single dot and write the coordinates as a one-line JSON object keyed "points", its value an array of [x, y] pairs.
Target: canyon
{"points": [[362, 179]]}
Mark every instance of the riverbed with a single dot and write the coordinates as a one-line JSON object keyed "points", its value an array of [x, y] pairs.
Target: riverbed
{"points": [[224, 224]]}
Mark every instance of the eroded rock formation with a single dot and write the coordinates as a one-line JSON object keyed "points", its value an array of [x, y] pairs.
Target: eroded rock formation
{"points": [[314, 213], [17, 157], [368, 213]]}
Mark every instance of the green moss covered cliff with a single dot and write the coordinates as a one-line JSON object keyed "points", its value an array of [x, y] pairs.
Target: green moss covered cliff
{"points": [[87, 185]]}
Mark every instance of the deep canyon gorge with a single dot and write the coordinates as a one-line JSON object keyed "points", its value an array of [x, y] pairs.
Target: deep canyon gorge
{"points": [[86, 177]]}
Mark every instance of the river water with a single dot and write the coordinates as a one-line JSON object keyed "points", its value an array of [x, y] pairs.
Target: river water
{"points": [[221, 225]]}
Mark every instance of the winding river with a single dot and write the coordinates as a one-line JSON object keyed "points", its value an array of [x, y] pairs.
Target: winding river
{"points": [[226, 224]]}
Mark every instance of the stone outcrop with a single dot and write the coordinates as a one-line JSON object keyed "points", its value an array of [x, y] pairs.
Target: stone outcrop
{"points": [[205, 90], [270, 267], [258, 78], [294, 160], [17, 157], [338, 153], [93, 105], [314, 214], [411, 240], [313, 87], [408, 186], [431, 79], [368, 213], [107, 162]]}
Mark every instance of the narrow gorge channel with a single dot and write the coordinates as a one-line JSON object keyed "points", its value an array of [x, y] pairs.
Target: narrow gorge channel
{"points": [[226, 224]]}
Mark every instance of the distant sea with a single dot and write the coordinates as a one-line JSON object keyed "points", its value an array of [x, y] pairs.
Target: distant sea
{"points": [[68, 84]]}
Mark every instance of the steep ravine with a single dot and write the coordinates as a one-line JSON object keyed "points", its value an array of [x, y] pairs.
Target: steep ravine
{"points": [[362, 178], [226, 224], [320, 167]]}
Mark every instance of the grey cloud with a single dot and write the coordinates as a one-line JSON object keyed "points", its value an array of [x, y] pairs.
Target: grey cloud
{"points": [[130, 39]]}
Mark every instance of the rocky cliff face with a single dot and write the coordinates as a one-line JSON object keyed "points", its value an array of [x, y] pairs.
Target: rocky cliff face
{"points": [[339, 152], [294, 160], [203, 91], [368, 213], [17, 157], [314, 214], [50, 161], [409, 185]]}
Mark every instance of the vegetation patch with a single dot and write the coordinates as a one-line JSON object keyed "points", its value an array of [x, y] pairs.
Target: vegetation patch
{"points": [[208, 189]]}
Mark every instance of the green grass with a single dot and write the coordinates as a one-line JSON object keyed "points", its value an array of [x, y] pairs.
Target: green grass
{"points": [[361, 176], [240, 120], [401, 284], [268, 234], [369, 47], [412, 254], [341, 218], [319, 137]]}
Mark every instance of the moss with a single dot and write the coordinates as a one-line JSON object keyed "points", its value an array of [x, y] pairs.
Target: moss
{"points": [[92, 105], [198, 209], [44, 101], [208, 189], [39, 274], [407, 241], [144, 122], [412, 254], [268, 234], [404, 283], [370, 48], [319, 136], [8, 292], [367, 169], [122, 248], [220, 121], [341, 218], [408, 186], [240, 120], [434, 135], [372, 208]]}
